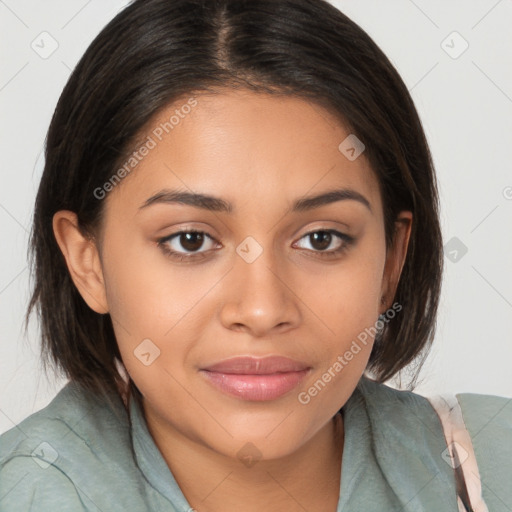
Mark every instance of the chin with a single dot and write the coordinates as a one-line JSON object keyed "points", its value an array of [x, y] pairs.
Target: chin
{"points": [[273, 438]]}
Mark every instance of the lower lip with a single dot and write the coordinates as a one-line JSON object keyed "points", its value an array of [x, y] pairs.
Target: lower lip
{"points": [[255, 387]]}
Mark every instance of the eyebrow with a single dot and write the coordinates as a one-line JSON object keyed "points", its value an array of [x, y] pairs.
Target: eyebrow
{"points": [[217, 204]]}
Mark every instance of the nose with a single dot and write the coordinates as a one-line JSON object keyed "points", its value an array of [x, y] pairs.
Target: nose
{"points": [[260, 296]]}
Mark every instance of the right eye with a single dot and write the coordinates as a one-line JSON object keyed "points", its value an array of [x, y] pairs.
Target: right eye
{"points": [[189, 240]]}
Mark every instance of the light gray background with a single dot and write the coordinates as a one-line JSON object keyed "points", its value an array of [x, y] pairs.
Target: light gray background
{"points": [[466, 107]]}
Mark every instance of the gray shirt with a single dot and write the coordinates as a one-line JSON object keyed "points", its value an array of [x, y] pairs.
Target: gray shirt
{"points": [[82, 454]]}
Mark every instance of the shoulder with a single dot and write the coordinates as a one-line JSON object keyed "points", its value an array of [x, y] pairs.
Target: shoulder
{"points": [[486, 413], [74, 421], [488, 419], [405, 420], [52, 457], [28, 483]]}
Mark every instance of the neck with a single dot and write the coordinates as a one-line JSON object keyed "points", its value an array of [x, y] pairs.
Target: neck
{"points": [[308, 479]]}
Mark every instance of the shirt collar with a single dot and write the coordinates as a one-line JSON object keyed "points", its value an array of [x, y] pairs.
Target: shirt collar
{"points": [[151, 461], [392, 457]]}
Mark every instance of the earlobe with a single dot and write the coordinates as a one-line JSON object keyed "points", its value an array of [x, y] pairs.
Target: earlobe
{"points": [[82, 259], [395, 258]]}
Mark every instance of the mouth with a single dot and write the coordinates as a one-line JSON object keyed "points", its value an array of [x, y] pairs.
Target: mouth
{"points": [[256, 379]]}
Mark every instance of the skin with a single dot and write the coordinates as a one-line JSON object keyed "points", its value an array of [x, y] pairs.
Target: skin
{"points": [[260, 153]]}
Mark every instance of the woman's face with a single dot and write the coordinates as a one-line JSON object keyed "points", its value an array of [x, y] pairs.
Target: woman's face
{"points": [[271, 273]]}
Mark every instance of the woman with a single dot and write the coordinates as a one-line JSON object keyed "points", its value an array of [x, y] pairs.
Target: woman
{"points": [[236, 242]]}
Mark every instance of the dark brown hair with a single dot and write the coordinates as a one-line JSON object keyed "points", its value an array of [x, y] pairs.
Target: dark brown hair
{"points": [[156, 51]]}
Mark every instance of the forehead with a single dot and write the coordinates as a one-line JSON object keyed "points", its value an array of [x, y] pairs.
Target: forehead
{"points": [[245, 147]]}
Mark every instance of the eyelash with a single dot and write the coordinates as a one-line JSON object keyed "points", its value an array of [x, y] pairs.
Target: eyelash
{"points": [[162, 243]]}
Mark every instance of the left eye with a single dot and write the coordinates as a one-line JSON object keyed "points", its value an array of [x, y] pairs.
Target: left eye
{"points": [[323, 238]]}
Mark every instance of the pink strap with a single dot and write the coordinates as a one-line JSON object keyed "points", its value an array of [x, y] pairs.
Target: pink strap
{"points": [[460, 454], [123, 390]]}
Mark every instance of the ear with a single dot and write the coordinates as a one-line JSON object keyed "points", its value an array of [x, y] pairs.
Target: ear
{"points": [[395, 258], [82, 259]]}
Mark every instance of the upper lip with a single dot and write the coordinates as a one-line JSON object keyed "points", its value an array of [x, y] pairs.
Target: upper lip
{"points": [[248, 365]]}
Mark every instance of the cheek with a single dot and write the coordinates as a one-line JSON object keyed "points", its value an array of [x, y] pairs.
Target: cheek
{"points": [[145, 292], [349, 297], [159, 310], [146, 303], [350, 310]]}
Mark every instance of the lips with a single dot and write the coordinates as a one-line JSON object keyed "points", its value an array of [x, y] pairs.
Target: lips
{"points": [[257, 366], [256, 379]]}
